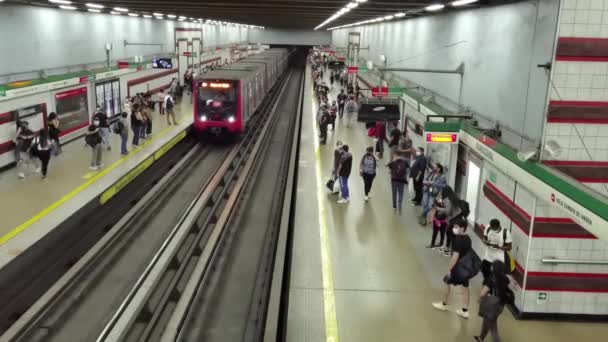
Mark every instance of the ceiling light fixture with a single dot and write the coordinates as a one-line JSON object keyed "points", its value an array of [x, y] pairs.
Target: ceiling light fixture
{"points": [[133, 15], [463, 2], [361, 0], [121, 9], [94, 10], [388, 17], [352, 5], [62, 2], [171, 16], [157, 14], [70, 8], [94, 5], [147, 16], [435, 7], [115, 13], [400, 15]]}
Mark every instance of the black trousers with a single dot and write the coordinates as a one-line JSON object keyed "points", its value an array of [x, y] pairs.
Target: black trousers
{"points": [[323, 129], [418, 190], [341, 110], [439, 228], [45, 157], [332, 122], [368, 180], [486, 269]]}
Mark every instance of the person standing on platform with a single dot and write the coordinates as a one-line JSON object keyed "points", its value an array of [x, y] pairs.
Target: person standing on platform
{"points": [[496, 285], [417, 175], [451, 210], [341, 102], [351, 110], [433, 183], [381, 135], [24, 139], [367, 168], [337, 157], [122, 128], [169, 109], [324, 121], [462, 246], [393, 143], [53, 124], [440, 223], [42, 147], [93, 139], [333, 114], [332, 77], [398, 167], [104, 127], [160, 97], [498, 242], [344, 169], [136, 124]]}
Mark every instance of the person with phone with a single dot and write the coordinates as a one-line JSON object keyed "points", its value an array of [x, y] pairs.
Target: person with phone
{"points": [[498, 241]]}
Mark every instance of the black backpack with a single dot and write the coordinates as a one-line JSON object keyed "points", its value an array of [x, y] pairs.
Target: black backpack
{"points": [[400, 169], [118, 127], [169, 103], [464, 208]]}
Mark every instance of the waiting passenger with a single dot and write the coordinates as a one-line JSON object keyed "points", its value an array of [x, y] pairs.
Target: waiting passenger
{"points": [[122, 129], [498, 241], [495, 294], [395, 138], [381, 138], [457, 275], [341, 102], [337, 157], [367, 168], [398, 168], [169, 109], [417, 175], [54, 131], [104, 127], [333, 114], [440, 223], [433, 183], [451, 210], [344, 169], [23, 140], [42, 150], [93, 139], [136, 124], [351, 109], [324, 121]]}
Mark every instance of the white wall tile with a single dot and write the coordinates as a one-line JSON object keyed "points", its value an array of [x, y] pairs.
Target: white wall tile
{"points": [[596, 5], [603, 30], [595, 17], [602, 131], [585, 81], [602, 141], [594, 30], [598, 81], [569, 4], [589, 142], [583, 4], [587, 68], [573, 68], [583, 94], [597, 95], [581, 16], [600, 68]]}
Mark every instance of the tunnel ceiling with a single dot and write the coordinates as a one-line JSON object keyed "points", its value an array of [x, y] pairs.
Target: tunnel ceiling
{"points": [[285, 14]]}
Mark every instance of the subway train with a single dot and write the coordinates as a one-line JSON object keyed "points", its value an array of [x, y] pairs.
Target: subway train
{"points": [[225, 99]]}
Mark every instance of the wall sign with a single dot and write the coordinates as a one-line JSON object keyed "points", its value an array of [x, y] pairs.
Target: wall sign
{"points": [[441, 138]]}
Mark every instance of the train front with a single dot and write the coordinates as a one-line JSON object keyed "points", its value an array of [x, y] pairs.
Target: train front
{"points": [[216, 108]]}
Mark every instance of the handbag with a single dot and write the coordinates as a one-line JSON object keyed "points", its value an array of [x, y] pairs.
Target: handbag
{"points": [[490, 307], [468, 266]]}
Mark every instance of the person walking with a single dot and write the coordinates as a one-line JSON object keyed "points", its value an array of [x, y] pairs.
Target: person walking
{"points": [[42, 146], [344, 169], [53, 133], [462, 246], [341, 103], [395, 137], [433, 183], [440, 223], [381, 138], [169, 109], [495, 294], [333, 115], [122, 128], [417, 175], [451, 211], [350, 108], [93, 139], [498, 242], [367, 168], [160, 98], [398, 169], [136, 124]]}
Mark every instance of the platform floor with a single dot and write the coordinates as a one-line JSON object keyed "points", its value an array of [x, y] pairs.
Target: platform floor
{"points": [[362, 273], [26, 200]]}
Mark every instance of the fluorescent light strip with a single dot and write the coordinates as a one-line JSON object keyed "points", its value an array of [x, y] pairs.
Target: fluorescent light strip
{"points": [[70, 8], [94, 10], [115, 13], [62, 2], [121, 9], [94, 5], [463, 2], [133, 15], [171, 16], [435, 7], [147, 16], [344, 10]]}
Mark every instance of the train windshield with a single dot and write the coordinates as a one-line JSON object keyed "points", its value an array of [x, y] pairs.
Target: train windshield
{"points": [[217, 100]]}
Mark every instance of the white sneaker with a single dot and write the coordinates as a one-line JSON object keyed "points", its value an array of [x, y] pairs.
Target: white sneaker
{"points": [[38, 170], [21, 175], [462, 313], [100, 166], [343, 201], [94, 168], [440, 306], [366, 198]]}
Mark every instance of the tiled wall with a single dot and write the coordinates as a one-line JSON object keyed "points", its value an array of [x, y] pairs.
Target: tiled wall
{"points": [[584, 18], [580, 81], [566, 302], [579, 142]]}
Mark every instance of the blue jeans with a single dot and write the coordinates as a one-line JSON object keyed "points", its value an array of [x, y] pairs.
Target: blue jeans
{"points": [[427, 203], [136, 134], [344, 187], [124, 137], [397, 188]]}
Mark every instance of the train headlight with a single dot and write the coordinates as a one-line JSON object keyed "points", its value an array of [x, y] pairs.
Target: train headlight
{"points": [[203, 118], [231, 119]]}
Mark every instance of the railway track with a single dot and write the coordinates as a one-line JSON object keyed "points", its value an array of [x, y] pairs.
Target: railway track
{"points": [[114, 292]]}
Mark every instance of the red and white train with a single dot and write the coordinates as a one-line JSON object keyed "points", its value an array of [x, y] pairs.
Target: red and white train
{"points": [[225, 99]]}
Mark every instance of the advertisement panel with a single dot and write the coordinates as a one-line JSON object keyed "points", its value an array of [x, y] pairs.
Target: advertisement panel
{"points": [[72, 110]]}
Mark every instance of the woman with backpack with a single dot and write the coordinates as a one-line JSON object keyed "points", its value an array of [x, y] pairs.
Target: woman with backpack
{"points": [[440, 223], [42, 147], [398, 167], [367, 168], [495, 293], [54, 131], [137, 123]]}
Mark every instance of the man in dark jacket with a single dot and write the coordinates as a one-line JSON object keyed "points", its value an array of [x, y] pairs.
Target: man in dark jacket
{"points": [[398, 167], [417, 174], [341, 102], [344, 169]]}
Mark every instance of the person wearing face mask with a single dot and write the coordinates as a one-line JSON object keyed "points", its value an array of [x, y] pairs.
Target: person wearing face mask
{"points": [[450, 211], [103, 127], [93, 140], [417, 174], [433, 183], [367, 168], [462, 246], [440, 224]]}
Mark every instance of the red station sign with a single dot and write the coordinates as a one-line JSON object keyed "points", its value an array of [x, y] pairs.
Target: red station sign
{"points": [[353, 70], [379, 91]]}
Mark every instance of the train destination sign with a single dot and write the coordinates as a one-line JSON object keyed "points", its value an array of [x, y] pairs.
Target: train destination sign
{"points": [[441, 138]]}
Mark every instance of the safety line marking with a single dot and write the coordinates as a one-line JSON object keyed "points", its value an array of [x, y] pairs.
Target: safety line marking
{"points": [[94, 178], [329, 296]]}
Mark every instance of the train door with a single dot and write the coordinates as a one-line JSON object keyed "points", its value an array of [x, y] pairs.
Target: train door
{"points": [[245, 112]]}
